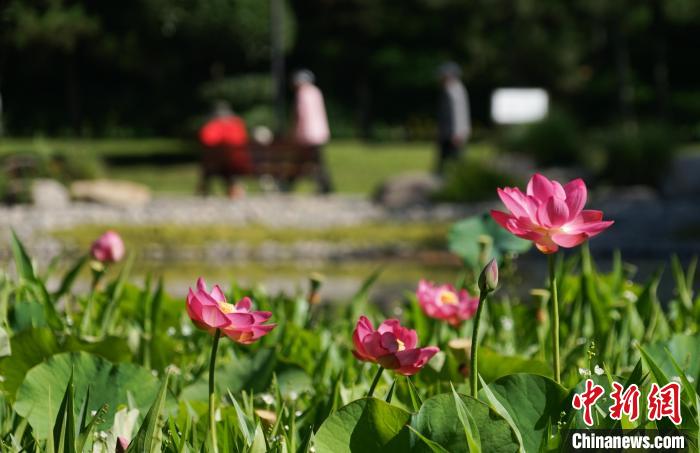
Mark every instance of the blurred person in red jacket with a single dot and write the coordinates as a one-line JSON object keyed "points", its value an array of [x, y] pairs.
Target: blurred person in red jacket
{"points": [[224, 140], [311, 124]]}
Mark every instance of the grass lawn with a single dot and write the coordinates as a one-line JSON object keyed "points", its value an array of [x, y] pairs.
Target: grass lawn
{"points": [[100, 147], [356, 167], [173, 179]]}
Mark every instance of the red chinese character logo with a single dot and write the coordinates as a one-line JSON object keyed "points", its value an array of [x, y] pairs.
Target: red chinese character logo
{"points": [[665, 402], [587, 399], [625, 402]]}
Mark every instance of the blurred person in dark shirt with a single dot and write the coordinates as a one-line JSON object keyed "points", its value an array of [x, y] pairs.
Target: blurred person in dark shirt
{"points": [[454, 125]]}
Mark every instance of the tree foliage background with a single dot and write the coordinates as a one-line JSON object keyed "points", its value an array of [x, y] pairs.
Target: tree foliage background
{"points": [[151, 66]]}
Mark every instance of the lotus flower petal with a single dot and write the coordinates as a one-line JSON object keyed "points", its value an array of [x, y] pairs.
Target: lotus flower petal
{"points": [[213, 317], [513, 204], [576, 195], [569, 240], [389, 342], [411, 361], [541, 188], [244, 304], [217, 294], [373, 345], [388, 326]]}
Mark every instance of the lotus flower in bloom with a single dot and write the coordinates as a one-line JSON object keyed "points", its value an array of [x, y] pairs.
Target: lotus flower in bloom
{"points": [[108, 248], [549, 214], [210, 311], [444, 302], [391, 346]]}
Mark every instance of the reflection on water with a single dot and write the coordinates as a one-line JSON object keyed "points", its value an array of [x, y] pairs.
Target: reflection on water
{"points": [[343, 278]]}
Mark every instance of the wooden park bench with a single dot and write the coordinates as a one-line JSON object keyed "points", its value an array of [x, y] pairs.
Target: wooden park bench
{"points": [[283, 161]]}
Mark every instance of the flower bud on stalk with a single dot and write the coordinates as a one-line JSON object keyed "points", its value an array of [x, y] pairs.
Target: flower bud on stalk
{"points": [[488, 279], [108, 248]]}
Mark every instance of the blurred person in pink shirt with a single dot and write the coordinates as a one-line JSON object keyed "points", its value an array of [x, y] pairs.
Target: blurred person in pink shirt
{"points": [[311, 124]]}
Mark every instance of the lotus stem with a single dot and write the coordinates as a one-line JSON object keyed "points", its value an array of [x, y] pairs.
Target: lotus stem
{"points": [[86, 322], [375, 381], [473, 368], [212, 391], [556, 364]]}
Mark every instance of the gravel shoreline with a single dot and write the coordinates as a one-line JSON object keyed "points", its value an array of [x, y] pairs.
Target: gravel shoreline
{"points": [[280, 211], [644, 226]]}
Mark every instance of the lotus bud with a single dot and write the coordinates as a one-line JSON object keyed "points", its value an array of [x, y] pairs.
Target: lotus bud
{"points": [[488, 280], [108, 248]]}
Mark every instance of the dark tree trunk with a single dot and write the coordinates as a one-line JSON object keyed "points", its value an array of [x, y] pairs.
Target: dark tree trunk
{"points": [[364, 104], [625, 91], [661, 79], [73, 101], [277, 66], [2, 124], [2, 68]]}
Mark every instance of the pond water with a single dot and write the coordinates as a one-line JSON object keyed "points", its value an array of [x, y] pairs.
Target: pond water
{"points": [[342, 279]]}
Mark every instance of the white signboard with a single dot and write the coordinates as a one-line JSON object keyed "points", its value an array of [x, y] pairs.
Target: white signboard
{"points": [[519, 105]]}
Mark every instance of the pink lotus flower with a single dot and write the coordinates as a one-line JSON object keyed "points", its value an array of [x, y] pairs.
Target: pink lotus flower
{"points": [[210, 311], [444, 302], [108, 248], [550, 215], [391, 346]]}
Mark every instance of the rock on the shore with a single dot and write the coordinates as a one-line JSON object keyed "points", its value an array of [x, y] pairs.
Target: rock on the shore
{"points": [[684, 178], [111, 192], [410, 189], [49, 194]]}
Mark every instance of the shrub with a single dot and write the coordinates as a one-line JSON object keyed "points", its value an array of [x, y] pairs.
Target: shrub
{"points": [[70, 166], [472, 180], [552, 141], [20, 169], [639, 155], [243, 92]]}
